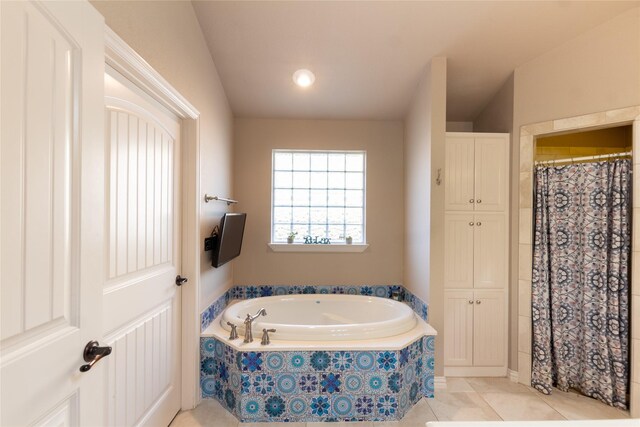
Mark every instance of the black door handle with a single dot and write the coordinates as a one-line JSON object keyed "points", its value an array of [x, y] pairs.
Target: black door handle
{"points": [[92, 353], [181, 280]]}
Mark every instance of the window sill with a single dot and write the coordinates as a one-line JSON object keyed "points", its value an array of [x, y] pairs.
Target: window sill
{"points": [[301, 247]]}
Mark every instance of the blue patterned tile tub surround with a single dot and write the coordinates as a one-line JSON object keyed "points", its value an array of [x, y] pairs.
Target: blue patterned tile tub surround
{"points": [[248, 292], [299, 386]]}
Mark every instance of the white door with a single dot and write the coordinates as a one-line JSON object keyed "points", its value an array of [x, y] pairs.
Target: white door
{"points": [[52, 178], [489, 333], [458, 250], [458, 322], [491, 168], [490, 254], [141, 300], [459, 174]]}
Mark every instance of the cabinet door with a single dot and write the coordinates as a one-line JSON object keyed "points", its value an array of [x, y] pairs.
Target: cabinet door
{"points": [[458, 250], [489, 257], [458, 326], [491, 170], [489, 329], [458, 180]]}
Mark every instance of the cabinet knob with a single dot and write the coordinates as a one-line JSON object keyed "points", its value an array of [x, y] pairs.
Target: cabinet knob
{"points": [[478, 301], [470, 200], [470, 301], [478, 201], [471, 223], [478, 223]]}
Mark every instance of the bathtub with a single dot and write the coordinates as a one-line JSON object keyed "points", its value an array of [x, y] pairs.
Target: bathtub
{"points": [[323, 317], [332, 358]]}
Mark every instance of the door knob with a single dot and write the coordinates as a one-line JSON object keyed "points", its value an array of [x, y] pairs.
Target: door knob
{"points": [[478, 301], [470, 200], [92, 353], [471, 223], [470, 301], [478, 201], [478, 223], [181, 280]]}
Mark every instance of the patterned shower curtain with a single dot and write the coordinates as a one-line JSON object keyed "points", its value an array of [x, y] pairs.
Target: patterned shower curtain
{"points": [[580, 284]]}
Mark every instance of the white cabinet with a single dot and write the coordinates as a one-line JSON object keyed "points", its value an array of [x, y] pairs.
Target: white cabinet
{"points": [[475, 248], [476, 242], [476, 167], [475, 330], [458, 326], [489, 328]]}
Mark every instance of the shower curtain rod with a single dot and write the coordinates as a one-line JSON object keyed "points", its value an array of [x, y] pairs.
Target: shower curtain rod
{"points": [[580, 159]]}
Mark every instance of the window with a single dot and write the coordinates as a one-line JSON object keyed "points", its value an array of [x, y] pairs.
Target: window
{"points": [[318, 194]]}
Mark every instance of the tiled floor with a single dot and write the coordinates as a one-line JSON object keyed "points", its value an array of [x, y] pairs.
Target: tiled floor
{"points": [[477, 399]]}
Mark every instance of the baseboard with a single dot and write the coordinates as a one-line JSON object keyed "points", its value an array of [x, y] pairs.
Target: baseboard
{"points": [[440, 382], [513, 375]]}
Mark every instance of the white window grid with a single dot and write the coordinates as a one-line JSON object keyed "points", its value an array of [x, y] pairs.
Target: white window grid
{"points": [[292, 197]]}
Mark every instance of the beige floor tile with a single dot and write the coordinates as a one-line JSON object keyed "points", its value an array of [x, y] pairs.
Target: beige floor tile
{"points": [[461, 407], [574, 406], [457, 385], [208, 413], [521, 407], [496, 385]]}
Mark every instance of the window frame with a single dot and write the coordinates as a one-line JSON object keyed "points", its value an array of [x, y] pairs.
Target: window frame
{"points": [[332, 247]]}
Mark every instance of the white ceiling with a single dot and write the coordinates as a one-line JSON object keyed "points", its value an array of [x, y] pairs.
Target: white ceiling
{"points": [[368, 56]]}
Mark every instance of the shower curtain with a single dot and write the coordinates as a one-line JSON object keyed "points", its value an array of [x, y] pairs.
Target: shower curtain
{"points": [[580, 283]]}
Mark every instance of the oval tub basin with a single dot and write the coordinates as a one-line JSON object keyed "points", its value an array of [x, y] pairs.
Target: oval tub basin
{"points": [[323, 317]]}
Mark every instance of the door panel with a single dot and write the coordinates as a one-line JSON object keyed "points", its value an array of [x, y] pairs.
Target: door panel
{"points": [[141, 300], [458, 322], [459, 170], [490, 254], [52, 178], [458, 250], [491, 169], [489, 329]]}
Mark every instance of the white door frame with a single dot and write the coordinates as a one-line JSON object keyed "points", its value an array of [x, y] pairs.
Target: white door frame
{"points": [[120, 56]]}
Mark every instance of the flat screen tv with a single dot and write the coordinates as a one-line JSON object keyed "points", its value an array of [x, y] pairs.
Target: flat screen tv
{"points": [[229, 241]]}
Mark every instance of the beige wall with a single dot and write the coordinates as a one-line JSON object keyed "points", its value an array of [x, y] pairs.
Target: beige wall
{"points": [[597, 71], [381, 263], [497, 116], [425, 132], [167, 35], [459, 126]]}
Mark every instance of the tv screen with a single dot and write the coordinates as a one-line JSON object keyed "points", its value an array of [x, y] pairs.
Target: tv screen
{"points": [[229, 240]]}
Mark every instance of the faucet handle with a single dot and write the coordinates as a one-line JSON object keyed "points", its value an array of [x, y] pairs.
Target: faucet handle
{"points": [[265, 336], [234, 332]]}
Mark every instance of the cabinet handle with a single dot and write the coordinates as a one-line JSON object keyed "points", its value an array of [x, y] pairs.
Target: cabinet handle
{"points": [[470, 301], [478, 301], [471, 223], [470, 200], [478, 223], [478, 201]]}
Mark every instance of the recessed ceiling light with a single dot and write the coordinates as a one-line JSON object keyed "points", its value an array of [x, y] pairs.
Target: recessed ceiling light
{"points": [[303, 78]]}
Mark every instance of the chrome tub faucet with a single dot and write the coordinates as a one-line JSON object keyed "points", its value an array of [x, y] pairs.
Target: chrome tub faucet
{"points": [[248, 322]]}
